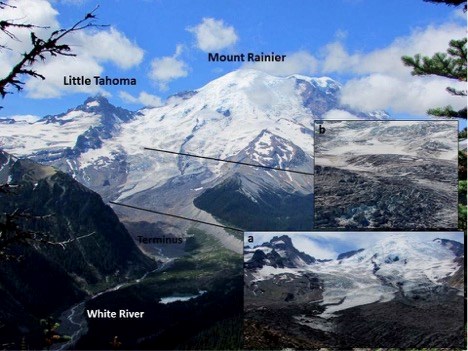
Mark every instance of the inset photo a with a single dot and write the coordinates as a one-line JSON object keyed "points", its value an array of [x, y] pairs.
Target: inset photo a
{"points": [[314, 290], [386, 174]]}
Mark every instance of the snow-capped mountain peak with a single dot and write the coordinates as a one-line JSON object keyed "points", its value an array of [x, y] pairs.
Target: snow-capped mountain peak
{"points": [[404, 247], [454, 246], [279, 252], [218, 120], [245, 115], [268, 149]]}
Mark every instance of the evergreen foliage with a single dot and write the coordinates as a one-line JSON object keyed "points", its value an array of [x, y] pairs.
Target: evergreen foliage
{"points": [[449, 2], [462, 134], [451, 65]]}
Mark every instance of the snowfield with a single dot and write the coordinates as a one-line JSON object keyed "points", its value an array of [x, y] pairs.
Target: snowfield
{"points": [[397, 263], [219, 120]]}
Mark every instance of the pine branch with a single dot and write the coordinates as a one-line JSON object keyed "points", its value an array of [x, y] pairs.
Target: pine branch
{"points": [[3, 5], [450, 65], [4, 25], [462, 134], [456, 92], [449, 2], [41, 48], [448, 112]]}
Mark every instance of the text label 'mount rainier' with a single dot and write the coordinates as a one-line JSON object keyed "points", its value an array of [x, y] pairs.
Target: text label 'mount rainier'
{"points": [[249, 57]]}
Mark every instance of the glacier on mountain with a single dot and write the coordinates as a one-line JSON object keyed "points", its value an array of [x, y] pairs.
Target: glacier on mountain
{"points": [[218, 120], [245, 115], [397, 263]]}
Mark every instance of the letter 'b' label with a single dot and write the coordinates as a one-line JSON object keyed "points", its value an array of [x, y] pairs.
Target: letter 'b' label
{"points": [[321, 129]]}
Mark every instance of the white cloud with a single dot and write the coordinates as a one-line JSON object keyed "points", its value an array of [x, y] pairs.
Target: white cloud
{"points": [[358, 240], [414, 95], [212, 34], [55, 68], [459, 14], [338, 115], [168, 68], [383, 82], [110, 46], [301, 240], [73, 2], [388, 60], [143, 98], [93, 49], [306, 244], [259, 238], [326, 245], [37, 12], [300, 62], [25, 118]]}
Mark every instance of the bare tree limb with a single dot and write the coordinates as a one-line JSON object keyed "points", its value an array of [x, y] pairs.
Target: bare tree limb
{"points": [[11, 233], [64, 243], [41, 48], [3, 5]]}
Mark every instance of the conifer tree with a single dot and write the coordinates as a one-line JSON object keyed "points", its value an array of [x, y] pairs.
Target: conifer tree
{"points": [[449, 2], [450, 65]]}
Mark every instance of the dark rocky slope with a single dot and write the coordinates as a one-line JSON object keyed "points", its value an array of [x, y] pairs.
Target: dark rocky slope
{"points": [[80, 248]]}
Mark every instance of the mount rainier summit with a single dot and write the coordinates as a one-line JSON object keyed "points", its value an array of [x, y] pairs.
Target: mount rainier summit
{"points": [[246, 116]]}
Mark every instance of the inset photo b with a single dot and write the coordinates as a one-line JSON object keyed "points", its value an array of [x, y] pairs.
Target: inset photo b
{"points": [[386, 174]]}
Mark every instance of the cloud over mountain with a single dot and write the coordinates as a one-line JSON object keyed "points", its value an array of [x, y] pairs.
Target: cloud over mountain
{"points": [[93, 49], [212, 34], [168, 68]]}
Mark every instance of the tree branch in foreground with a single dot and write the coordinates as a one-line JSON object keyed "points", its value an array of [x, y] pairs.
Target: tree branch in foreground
{"points": [[41, 48]]}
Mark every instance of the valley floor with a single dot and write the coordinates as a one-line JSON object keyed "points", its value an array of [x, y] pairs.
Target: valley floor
{"points": [[423, 322]]}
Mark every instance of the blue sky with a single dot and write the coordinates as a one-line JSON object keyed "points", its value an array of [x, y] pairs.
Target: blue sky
{"points": [[164, 45], [327, 245]]}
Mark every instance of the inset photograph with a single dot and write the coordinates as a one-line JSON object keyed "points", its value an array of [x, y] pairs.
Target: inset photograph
{"points": [[386, 174], [312, 290]]}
